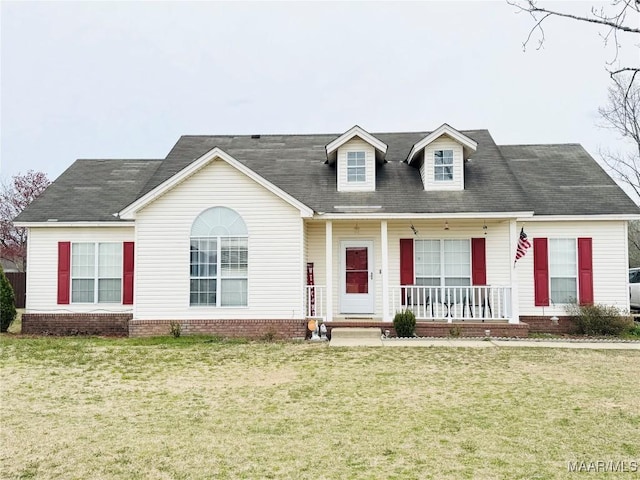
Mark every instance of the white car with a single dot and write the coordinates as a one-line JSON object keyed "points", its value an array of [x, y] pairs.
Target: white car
{"points": [[634, 288]]}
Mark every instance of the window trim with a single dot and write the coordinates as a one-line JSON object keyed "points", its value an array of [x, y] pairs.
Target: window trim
{"points": [[219, 237], [442, 277], [443, 166], [357, 167], [96, 274], [218, 277], [576, 276]]}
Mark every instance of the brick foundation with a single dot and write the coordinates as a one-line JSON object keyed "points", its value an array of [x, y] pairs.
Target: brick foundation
{"points": [[444, 329], [111, 324], [253, 329], [545, 325]]}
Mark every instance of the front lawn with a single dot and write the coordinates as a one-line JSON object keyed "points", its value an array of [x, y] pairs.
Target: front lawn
{"points": [[196, 408]]}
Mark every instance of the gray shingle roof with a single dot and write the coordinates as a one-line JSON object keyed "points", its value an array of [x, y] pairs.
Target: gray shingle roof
{"points": [[91, 190], [548, 179], [295, 163], [565, 180]]}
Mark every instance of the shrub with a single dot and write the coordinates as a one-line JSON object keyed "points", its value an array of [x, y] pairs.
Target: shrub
{"points": [[405, 323], [175, 329], [269, 337], [599, 319], [634, 331], [7, 302]]}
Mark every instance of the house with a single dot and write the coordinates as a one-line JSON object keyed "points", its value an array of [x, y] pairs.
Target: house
{"points": [[255, 235]]}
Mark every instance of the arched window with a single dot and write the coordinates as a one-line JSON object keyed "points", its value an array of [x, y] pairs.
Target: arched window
{"points": [[219, 259]]}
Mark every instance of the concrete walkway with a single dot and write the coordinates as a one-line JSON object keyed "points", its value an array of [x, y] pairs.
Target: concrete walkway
{"points": [[355, 341], [495, 342]]}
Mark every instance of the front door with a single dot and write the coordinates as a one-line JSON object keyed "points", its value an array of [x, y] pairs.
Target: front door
{"points": [[356, 273]]}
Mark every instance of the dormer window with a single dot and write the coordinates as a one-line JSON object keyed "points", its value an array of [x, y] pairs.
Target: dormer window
{"points": [[440, 156], [443, 165], [356, 167], [356, 154]]}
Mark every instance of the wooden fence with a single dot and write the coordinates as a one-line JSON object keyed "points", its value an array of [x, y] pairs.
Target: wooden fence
{"points": [[18, 281]]}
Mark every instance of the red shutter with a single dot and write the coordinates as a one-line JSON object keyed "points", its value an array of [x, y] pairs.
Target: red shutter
{"points": [[478, 261], [406, 261], [127, 272], [541, 272], [585, 271], [64, 272]]}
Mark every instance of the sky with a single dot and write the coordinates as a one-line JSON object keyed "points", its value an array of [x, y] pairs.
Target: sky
{"points": [[126, 79]]}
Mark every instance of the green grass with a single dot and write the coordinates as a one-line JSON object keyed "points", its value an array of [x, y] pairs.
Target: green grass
{"points": [[200, 408]]}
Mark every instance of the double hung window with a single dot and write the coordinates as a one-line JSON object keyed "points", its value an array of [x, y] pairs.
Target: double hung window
{"points": [[443, 262], [563, 270], [443, 165], [96, 272], [219, 259], [356, 167]]}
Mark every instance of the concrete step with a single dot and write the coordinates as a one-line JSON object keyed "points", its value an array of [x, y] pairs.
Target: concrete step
{"points": [[355, 337]]}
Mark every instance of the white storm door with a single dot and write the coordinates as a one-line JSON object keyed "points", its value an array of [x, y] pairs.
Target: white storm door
{"points": [[356, 277]]}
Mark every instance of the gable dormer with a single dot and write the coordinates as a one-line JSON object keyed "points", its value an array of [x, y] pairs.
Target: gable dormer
{"points": [[357, 154], [441, 156]]}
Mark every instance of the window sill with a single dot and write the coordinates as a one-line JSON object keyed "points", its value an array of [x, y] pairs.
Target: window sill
{"points": [[238, 307]]}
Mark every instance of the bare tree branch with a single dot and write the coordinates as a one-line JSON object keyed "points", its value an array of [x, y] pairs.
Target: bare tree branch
{"points": [[622, 111], [620, 17], [614, 21], [622, 114], [537, 26], [634, 243]]}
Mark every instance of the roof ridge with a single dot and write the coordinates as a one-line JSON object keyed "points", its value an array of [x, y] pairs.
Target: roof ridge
{"points": [[119, 159], [539, 144], [412, 132]]}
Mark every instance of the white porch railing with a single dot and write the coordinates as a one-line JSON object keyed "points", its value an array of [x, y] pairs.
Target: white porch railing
{"points": [[473, 303], [315, 301]]}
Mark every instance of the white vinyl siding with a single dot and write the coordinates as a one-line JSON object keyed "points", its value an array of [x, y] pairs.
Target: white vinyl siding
{"points": [[274, 287], [610, 267], [42, 268], [610, 270], [499, 264], [356, 167], [315, 233], [433, 172]]}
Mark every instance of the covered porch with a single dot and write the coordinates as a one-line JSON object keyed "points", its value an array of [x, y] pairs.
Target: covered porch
{"points": [[461, 270], [448, 304]]}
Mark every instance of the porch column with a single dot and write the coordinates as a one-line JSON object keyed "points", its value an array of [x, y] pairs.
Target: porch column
{"points": [[384, 245], [329, 269], [514, 236]]}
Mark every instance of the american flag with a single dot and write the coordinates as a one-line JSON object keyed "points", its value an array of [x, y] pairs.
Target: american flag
{"points": [[523, 245]]}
